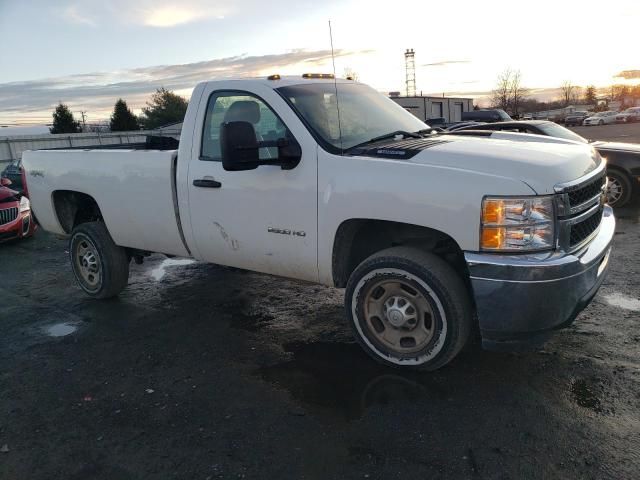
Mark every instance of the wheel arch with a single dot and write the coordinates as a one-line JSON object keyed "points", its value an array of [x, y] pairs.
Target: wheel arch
{"points": [[358, 238], [73, 208]]}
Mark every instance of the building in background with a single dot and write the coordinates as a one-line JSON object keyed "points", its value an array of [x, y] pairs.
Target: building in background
{"points": [[449, 108]]}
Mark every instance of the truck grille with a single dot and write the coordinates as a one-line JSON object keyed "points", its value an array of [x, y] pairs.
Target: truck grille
{"points": [[580, 207], [8, 215], [583, 193], [583, 229]]}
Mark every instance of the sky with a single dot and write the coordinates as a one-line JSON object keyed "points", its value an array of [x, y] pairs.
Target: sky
{"points": [[89, 53]]}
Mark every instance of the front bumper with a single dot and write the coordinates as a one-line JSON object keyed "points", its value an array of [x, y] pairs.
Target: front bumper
{"points": [[521, 299], [22, 226]]}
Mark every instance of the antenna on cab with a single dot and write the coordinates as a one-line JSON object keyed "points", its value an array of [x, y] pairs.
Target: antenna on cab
{"points": [[335, 85]]}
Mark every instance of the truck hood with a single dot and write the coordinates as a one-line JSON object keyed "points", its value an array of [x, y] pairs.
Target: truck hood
{"points": [[539, 165]]}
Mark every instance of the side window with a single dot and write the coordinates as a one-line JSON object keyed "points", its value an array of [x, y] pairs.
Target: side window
{"points": [[234, 107]]}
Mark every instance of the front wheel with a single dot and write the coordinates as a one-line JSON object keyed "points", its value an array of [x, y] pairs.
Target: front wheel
{"points": [[100, 266], [601, 122], [408, 308], [618, 188]]}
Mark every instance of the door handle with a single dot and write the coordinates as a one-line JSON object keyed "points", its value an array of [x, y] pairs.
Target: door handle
{"points": [[206, 183]]}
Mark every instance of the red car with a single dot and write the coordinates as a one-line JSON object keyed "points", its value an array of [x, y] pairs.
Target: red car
{"points": [[16, 220]]}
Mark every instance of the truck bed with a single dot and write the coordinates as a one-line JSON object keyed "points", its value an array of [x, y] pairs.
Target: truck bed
{"points": [[134, 189]]}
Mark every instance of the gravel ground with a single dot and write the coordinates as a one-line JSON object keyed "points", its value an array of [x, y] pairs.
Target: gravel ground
{"points": [[200, 372]]}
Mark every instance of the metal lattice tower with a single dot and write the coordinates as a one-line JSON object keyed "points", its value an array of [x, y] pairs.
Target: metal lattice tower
{"points": [[410, 71]]}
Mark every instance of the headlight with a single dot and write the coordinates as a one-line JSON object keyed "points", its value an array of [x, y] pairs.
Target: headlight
{"points": [[517, 224], [25, 205]]}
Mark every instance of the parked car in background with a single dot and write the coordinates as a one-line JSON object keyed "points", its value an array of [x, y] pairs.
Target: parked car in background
{"points": [[575, 118], [16, 220], [623, 159], [486, 115], [629, 115], [13, 172], [601, 118]]}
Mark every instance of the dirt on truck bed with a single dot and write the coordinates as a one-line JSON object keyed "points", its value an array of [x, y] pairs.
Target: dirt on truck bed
{"points": [[199, 372]]}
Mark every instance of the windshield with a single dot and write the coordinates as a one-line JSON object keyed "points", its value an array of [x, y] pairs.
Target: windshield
{"points": [[503, 115], [555, 130], [364, 113]]}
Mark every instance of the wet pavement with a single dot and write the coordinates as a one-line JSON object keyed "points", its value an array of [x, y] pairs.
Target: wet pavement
{"points": [[198, 371]]}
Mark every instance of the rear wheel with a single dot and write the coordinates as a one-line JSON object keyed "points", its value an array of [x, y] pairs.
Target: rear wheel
{"points": [[618, 188], [99, 265], [408, 308]]}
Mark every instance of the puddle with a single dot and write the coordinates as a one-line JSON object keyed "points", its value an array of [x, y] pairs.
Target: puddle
{"points": [[160, 271], [341, 379], [60, 329], [584, 395], [623, 301]]}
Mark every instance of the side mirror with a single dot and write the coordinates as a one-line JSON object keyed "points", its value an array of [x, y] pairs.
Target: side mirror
{"points": [[238, 146], [289, 153], [5, 182]]}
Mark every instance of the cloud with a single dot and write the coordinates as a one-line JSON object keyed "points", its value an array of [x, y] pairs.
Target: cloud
{"points": [[97, 92], [73, 15], [150, 13], [444, 63], [170, 15], [628, 74]]}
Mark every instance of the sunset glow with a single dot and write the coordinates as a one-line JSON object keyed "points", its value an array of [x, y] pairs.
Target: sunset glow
{"points": [[103, 50]]}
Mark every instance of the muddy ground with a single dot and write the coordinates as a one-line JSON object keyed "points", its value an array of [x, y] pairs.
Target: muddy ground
{"points": [[202, 372]]}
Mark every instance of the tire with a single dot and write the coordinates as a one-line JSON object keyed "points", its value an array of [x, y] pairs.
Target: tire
{"points": [[100, 266], [618, 188], [436, 324], [601, 122]]}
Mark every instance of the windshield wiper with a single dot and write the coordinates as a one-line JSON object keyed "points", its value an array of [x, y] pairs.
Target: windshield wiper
{"points": [[385, 137]]}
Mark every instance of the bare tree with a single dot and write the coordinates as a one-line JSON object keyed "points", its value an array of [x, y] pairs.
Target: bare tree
{"points": [[576, 97], [509, 92], [518, 92], [501, 95], [567, 89]]}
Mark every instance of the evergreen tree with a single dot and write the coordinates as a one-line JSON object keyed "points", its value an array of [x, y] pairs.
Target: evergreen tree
{"points": [[165, 107], [590, 95], [63, 121], [123, 119]]}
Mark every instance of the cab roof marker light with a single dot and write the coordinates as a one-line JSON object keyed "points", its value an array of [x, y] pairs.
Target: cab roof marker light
{"points": [[330, 76]]}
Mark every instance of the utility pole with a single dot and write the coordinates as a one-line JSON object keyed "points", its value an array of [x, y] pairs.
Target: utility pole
{"points": [[410, 72], [84, 122]]}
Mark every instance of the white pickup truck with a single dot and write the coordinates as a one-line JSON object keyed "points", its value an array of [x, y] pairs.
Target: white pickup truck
{"points": [[433, 235]]}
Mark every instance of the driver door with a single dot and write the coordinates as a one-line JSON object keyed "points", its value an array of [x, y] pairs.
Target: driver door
{"points": [[262, 219]]}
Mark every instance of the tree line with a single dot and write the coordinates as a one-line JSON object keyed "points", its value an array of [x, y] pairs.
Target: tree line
{"points": [[163, 108], [511, 96]]}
